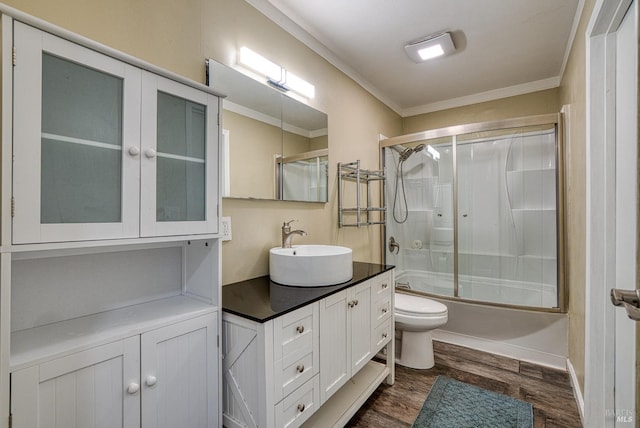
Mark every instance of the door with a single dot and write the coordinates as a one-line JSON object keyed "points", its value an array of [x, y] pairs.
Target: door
{"points": [[179, 375], [96, 388], [75, 142], [612, 215], [335, 343], [362, 314], [179, 159]]}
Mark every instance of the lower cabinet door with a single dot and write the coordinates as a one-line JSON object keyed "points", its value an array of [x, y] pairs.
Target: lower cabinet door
{"points": [[179, 375], [95, 388]]}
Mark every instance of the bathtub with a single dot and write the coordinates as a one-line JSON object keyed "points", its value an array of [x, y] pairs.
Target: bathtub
{"points": [[533, 336], [481, 289]]}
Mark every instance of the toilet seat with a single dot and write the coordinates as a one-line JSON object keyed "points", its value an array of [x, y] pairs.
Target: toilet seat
{"points": [[414, 305]]}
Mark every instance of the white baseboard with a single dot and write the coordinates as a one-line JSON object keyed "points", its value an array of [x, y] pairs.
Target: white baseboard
{"points": [[577, 392], [500, 348]]}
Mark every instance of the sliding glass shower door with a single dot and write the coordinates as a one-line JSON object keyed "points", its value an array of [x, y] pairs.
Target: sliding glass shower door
{"points": [[474, 214]]}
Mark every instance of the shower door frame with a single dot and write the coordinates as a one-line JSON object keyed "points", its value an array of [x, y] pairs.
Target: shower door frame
{"points": [[453, 132]]}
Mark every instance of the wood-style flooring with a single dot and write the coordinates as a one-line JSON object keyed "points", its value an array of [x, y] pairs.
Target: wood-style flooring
{"points": [[548, 390]]}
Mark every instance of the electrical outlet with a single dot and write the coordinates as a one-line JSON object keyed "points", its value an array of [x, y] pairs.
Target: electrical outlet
{"points": [[226, 229]]}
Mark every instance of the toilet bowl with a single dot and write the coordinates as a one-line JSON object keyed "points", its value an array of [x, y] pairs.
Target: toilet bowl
{"points": [[415, 318]]}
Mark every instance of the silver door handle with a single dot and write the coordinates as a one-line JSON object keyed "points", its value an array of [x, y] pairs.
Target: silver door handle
{"points": [[630, 299]]}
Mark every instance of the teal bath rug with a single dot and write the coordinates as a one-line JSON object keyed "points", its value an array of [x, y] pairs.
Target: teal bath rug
{"points": [[456, 404]]}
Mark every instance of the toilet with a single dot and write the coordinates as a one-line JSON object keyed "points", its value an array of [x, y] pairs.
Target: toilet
{"points": [[415, 317]]}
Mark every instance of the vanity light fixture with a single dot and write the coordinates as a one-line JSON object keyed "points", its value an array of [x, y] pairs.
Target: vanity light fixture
{"points": [[430, 47], [275, 75]]}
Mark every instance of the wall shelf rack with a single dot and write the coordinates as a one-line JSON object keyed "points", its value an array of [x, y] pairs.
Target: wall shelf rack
{"points": [[360, 214]]}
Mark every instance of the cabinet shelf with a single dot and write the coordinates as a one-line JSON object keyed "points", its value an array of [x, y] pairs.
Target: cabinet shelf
{"points": [[352, 172], [38, 344], [341, 406]]}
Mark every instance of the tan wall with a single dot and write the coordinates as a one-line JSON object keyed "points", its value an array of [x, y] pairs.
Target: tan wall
{"points": [[573, 93], [253, 147], [178, 35], [540, 102]]}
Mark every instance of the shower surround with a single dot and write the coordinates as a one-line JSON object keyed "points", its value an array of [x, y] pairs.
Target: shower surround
{"points": [[475, 213]]}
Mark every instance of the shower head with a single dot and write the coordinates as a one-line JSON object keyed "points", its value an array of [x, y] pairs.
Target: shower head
{"points": [[405, 152]]}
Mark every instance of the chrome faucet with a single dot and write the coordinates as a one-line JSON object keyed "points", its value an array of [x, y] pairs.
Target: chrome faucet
{"points": [[287, 233]]}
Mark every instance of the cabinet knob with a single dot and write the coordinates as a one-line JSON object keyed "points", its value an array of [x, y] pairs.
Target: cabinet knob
{"points": [[351, 304], [385, 285], [151, 380], [133, 388], [300, 368], [150, 153], [300, 329], [301, 407], [384, 310], [384, 335], [355, 302], [134, 151]]}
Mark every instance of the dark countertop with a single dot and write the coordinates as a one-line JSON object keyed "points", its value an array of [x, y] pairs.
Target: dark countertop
{"points": [[260, 300]]}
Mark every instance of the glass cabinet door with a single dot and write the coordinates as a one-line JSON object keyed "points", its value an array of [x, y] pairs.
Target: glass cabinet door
{"points": [[179, 159], [76, 142]]}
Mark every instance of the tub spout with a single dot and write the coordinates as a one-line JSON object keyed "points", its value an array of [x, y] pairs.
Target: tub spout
{"points": [[404, 285]]}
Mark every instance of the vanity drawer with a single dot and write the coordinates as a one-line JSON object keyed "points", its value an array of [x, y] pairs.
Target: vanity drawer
{"points": [[291, 376], [383, 284], [383, 334], [296, 334], [299, 405], [383, 309]]}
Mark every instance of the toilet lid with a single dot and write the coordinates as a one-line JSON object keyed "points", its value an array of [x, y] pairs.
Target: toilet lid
{"points": [[411, 304]]}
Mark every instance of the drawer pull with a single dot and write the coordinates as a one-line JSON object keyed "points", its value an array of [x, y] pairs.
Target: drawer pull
{"points": [[300, 329], [384, 335], [300, 368], [384, 310], [301, 407], [385, 285]]}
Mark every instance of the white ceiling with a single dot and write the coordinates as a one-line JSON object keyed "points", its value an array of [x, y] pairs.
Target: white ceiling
{"points": [[503, 47]]}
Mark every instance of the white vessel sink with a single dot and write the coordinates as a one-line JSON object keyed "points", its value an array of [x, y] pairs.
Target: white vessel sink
{"points": [[310, 265]]}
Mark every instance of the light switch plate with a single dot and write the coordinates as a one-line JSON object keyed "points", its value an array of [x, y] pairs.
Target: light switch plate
{"points": [[226, 229]]}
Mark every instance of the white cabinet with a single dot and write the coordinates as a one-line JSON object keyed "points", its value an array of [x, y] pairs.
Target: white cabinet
{"points": [[86, 389], [110, 259], [279, 373], [346, 336], [270, 370], [161, 378], [103, 149]]}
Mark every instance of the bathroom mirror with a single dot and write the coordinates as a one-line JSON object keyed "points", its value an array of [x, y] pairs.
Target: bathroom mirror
{"points": [[275, 147]]}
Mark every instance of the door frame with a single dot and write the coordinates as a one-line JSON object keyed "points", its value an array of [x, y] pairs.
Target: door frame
{"points": [[600, 315]]}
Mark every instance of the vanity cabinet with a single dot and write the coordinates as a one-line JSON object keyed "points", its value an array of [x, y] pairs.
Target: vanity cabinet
{"points": [[103, 149], [159, 378], [347, 336], [310, 366]]}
